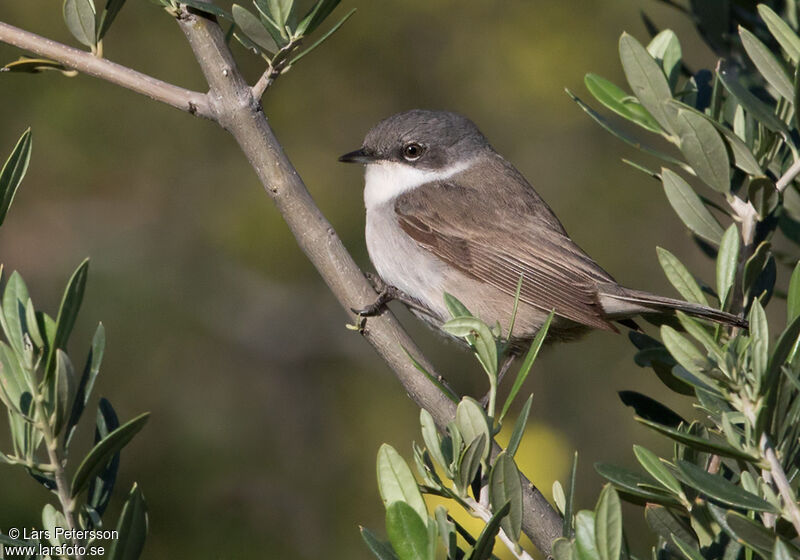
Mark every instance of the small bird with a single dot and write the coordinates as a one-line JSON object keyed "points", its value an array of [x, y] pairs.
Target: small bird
{"points": [[447, 214]]}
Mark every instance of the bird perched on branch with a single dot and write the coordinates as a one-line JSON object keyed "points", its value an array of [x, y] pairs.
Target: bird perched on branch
{"points": [[447, 214]]}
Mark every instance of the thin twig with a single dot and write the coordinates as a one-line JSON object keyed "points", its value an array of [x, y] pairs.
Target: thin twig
{"points": [[788, 177], [484, 513], [781, 482], [187, 100]]}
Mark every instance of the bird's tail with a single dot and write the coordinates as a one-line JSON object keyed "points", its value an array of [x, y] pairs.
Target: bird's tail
{"points": [[619, 302]]}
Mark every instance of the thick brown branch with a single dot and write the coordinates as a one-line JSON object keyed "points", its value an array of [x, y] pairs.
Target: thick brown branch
{"points": [[180, 98], [239, 113]]}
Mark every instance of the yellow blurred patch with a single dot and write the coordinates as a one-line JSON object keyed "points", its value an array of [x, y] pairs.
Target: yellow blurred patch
{"points": [[543, 455]]}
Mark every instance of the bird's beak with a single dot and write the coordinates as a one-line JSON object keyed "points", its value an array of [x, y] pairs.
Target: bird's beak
{"points": [[358, 156]]}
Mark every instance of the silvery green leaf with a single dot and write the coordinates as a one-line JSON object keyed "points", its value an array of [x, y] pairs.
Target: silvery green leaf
{"points": [[718, 487], [519, 427], [252, 27], [787, 38], [665, 524], [396, 482], [585, 539], [527, 364], [702, 335], [684, 352], [559, 497], [102, 486], [770, 68], [759, 340], [793, 298], [472, 422], [470, 461], [381, 550], [666, 49], [13, 316], [697, 442], [13, 171], [79, 15], [653, 465], [617, 100], [690, 208], [68, 312], [763, 195], [431, 437], [680, 277], [624, 136], [103, 451], [107, 17], [704, 149], [634, 484], [647, 80], [728, 75], [447, 531], [754, 265], [484, 342], [131, 527], [280, 10], [52, 519], [781, 551], [564, 549], [608, 524], [689, 552], [505, 486], [86, 383], [316, 15], [727, 262], [60, 390]]}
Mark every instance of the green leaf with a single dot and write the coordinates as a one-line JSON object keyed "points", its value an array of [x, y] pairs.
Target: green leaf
{"points": [[430, 436], [472, 423], [324, 36], [132, 528], [280, 10], [483, 343], [15, 298], [102, 452], [527, 364], [519, 427], [793, 297], [625, 137], [781, 551], [564, 549], [51, 519], [109, 14], [727, 262], [759, 340], [28, 65], [617, 100], [646, 79], [697, 442], [102, 486], [608, 524], [86, 383], [719, 488], [781, 31], [14, 383], [381, 550], [482, 550], [688, 551], [684, 352], [252, 27], [704, 149], [585, 539], [634, 484], [767, 64], [59, 391], [653, 465], [690, 208], [505, 486], [680, 277], [666, 49], [665, 523], [316, 15], [447, 531], [396, 482], [68, 312], [749, 533], [407, 532], [79, 16], [757, 108], [470, 461], [207, 8], [13, 171]]}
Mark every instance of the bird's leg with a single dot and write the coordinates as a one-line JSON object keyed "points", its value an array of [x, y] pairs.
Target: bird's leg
{"points": [[503, 370], [386, 293]]}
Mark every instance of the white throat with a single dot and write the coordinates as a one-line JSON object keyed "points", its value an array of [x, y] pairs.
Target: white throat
{"points": [[386, 180]]}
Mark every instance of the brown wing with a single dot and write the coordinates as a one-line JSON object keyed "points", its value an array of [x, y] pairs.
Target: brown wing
{"points": [[512, 238]]}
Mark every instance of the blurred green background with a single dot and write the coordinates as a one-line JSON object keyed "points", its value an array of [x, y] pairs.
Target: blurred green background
{"points": [[267, 411]]}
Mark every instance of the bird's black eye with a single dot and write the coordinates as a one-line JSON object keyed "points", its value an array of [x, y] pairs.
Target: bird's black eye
{"points": [[412, 151]]}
